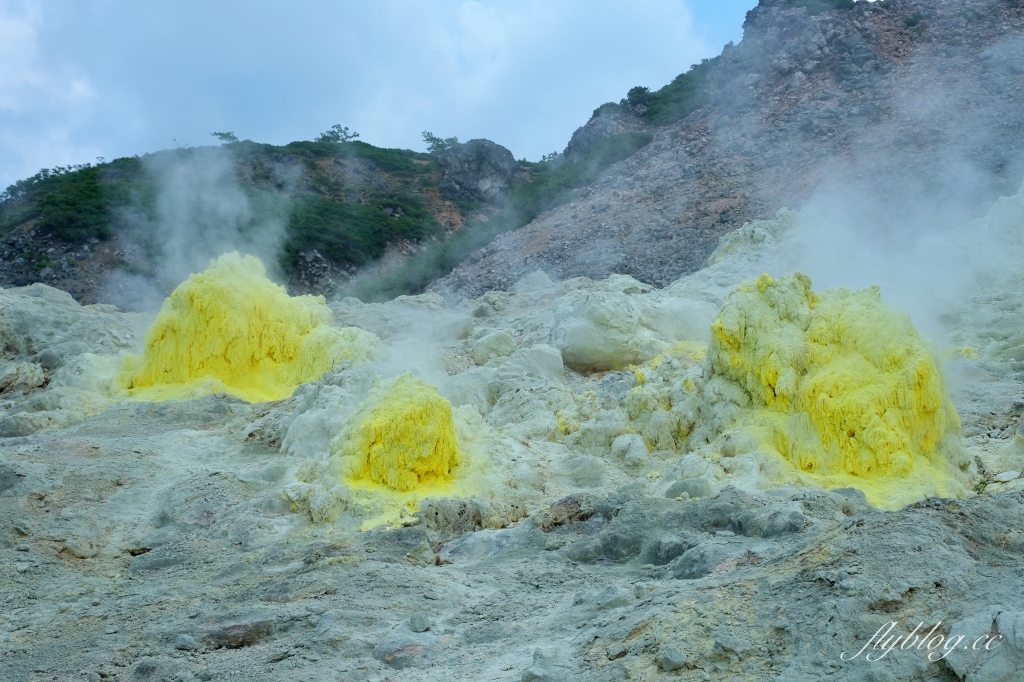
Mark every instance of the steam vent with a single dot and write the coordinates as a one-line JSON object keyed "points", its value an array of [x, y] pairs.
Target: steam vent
{"points": [[731, 389], [402, 436], [842, 387], [230, 329]]}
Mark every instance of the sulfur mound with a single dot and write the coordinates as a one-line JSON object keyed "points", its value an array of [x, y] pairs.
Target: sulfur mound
{"points": [[839, 385], [230, 329], [402, 436]]}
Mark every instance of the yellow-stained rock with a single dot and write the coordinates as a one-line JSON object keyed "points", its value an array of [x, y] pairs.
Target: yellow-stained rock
{"points": [[842, 387], [402, 436], [230, 329]]}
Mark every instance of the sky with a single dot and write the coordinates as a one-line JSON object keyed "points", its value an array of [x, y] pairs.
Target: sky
{"points": [[112, 78]]}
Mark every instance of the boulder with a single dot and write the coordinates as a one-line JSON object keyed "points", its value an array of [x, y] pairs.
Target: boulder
{"points": [[600, 331], [497, 344], [611, 121], [478, 170]]}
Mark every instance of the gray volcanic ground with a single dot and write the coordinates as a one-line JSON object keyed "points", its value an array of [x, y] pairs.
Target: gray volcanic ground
{"points": [[692, 464], [211, 539]]}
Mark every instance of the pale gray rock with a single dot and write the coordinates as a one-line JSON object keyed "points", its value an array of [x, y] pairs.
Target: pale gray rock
{"points": [[631, 448], [533, 282], [693, 488], [419, 622], [478, 170], [238, 632], [186, 642], [599, 331], [670, 658], [497, 344]]}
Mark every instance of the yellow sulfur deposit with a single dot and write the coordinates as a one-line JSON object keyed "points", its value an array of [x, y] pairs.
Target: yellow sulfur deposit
{"points": [[402, 437], [842, 387], [230, 329]]}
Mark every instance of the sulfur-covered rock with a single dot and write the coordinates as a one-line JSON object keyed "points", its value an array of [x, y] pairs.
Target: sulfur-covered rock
{"points": [[839, 385], [402, 436], [230, 329]]}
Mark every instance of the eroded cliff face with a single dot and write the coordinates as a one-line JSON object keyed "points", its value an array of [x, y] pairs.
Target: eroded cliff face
{"points": [[909, 103]]}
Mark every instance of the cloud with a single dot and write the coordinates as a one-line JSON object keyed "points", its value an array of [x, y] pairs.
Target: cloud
{"points": [[42, 100], [117, 78], [26, 82]]}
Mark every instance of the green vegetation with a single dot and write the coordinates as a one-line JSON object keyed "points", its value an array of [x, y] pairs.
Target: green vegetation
{"points": [[914, 20], [436, 144], [400, 162], [678, 99], [552, 186], [675, 101], [350, 232], [73, 202], [345, 198], [606, 108], [78, 202], [337, 134]]}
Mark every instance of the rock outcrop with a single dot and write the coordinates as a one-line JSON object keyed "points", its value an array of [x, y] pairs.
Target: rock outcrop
{"points": [[478, 170], [910, 102], [602, 125]]}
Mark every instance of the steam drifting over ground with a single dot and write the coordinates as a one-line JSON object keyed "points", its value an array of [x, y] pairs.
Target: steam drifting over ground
{"points": [[606, 486]]}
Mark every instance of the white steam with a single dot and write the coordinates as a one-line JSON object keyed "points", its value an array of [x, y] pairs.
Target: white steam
{"points": [[199, 211]]}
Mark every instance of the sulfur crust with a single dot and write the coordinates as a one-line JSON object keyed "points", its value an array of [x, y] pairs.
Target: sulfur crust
{"points": [[230, 329], [402, 437], [842, 387]]}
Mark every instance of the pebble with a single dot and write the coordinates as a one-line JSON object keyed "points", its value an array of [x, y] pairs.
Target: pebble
{"points": [[110, 629], [669, 659], [22, 548], [419, 623], [186, 643]]}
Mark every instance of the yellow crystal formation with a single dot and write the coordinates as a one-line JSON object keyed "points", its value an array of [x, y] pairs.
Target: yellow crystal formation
{"points": [[842, 387], [402, 436], [230, 329]]}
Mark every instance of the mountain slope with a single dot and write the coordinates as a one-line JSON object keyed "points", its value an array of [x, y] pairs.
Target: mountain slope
{"points": [[315, 210], [914, 104]]}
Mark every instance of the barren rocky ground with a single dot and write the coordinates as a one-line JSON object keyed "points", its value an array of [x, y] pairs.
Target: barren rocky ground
{"points": [[615, 514], [182, 540]]}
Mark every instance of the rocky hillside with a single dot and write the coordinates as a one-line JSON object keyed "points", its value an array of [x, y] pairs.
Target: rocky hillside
{"points": [[320, 209], [897, 108], [918, 104]]}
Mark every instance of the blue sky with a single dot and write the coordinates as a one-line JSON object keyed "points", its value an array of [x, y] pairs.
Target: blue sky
{"points": [[114, 78]]}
